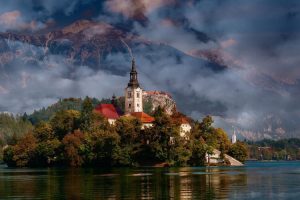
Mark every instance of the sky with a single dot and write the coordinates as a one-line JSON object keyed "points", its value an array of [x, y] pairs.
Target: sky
{"points": [[258, 41]]}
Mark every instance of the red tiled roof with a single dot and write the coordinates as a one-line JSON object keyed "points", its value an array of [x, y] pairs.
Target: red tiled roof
{"points": [[145, 118], [107, 110], [184, 120], [180, 120]]}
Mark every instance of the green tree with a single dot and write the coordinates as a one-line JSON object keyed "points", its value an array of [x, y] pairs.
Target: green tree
{"points": [[129, 129], [65, 122], [162, 139], [238, 151], [218, 139], [8, 156], [86, 114], [105, 148], [199, 150], [47, 153]]}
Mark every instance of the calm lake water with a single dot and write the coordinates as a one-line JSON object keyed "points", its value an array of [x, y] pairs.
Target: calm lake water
{"points": [[256, 180]]}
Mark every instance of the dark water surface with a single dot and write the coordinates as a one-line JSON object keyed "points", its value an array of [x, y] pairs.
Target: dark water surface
{"points": [[256, 180]]}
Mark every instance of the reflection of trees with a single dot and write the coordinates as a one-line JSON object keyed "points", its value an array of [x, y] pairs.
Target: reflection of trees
{"points": [[22, 183], [211, 183], [176, 183]]}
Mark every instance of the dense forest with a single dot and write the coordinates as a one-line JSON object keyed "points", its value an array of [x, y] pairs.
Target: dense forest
{"points": [[74, 135]]}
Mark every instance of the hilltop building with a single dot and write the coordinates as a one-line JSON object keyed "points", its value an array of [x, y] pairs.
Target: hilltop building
{"points": [[134, 105]]}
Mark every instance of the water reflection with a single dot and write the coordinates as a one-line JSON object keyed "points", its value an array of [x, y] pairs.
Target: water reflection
{"points": [[153, 183]]}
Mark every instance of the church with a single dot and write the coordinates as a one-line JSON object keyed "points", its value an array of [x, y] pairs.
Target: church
{"points": [[134, 105]]}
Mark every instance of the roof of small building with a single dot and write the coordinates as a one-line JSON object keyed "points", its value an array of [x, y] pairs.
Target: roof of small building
{"points": [[107, 110], [184, 120], [143, 117], [180, 120]]}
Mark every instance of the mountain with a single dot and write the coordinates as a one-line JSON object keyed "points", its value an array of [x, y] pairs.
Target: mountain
{"points": [[81, 43], [102, 46]]}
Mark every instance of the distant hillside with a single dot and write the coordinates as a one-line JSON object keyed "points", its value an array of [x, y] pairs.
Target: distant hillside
{"points": [[44, 114], [152, 100], [283, 149]]}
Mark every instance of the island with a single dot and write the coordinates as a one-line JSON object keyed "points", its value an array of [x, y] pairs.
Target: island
{"points": [[122, 131]]}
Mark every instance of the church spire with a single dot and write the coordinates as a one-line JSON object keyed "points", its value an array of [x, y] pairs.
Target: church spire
{"points": [[133, 69], [133, 82], [133, 92]]}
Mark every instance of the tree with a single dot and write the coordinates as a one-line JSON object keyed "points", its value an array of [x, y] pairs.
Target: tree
{"points": [[8, 156], [162, 138], [43, 131], [105, 148], [182, 152], [65, 122], [46, 153], [203, 129], [199, 150], [86, 114], [206, 124], [12, 128], [129, 129], [23, 151], [72, 143], [218, 139], [239, 151]]}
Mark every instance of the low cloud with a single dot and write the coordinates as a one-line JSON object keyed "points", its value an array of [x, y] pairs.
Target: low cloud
{"points": [[13, 21], [136, 8]]}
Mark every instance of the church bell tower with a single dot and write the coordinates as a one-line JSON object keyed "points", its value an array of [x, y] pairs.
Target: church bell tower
{"points": [[133, 92]]}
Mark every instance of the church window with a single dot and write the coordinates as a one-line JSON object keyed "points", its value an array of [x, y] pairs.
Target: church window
{"points": [[129, 105], [138, 95], [138, 105], [129, 94]]}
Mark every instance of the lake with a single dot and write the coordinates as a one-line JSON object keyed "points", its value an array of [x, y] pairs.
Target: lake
{"points": [[256, 180]]}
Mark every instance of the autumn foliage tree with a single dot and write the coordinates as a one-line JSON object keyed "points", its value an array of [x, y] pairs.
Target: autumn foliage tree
{"points": [[85, 138], [72, 143], [24, 150]]}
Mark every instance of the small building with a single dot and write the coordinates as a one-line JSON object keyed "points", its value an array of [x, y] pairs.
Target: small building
{"points": [[216, 159], [108, 111], [184, 124], [147, 120], [185, 127]]}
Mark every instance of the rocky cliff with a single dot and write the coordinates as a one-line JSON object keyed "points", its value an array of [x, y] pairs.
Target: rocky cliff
{"points": [[153, 99]]}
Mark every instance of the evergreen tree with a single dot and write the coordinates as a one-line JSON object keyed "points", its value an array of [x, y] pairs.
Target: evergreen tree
{"points": [[86, 114]]}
